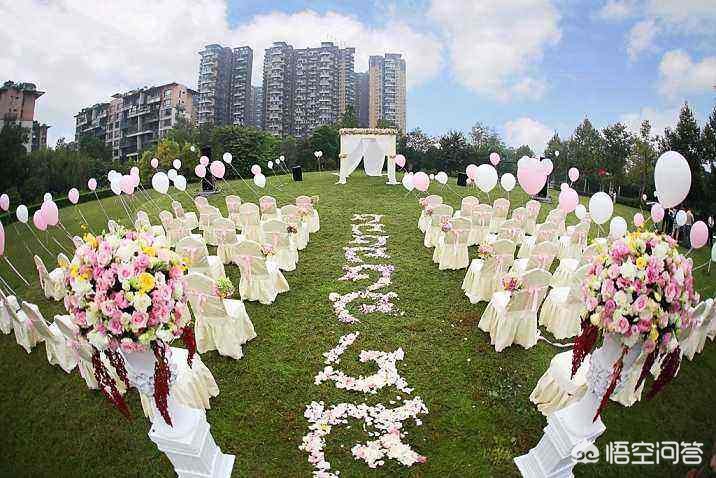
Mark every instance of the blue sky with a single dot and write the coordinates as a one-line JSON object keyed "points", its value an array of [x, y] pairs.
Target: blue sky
{"points": [[525, 67]]}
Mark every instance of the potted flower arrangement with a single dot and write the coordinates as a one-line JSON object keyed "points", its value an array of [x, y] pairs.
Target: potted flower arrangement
{"points": [[511, 283], [267, 250], [224, 288], [485, 251], [639, 294], [126, 295]]}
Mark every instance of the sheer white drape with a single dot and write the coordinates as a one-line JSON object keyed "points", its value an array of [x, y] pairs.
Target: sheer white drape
{"points": [[373, 157], [372, 150]]}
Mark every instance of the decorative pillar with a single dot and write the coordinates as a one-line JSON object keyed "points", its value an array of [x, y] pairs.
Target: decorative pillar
{"points": [[341, 168], [573, 427], [188, 444], [391, 170]]}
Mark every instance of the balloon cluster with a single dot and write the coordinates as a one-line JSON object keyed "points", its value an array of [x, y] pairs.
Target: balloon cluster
{"points": [[259, 178], [532, 173], [484, 176]]}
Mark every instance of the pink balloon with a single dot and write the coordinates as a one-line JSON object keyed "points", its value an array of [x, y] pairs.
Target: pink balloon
{"points": [[568, 200], [39, 221], [421, 181], [548, 168], [204, 161], [657, 213], [200, 170], [638, 219], [92, 184], [255, 169], [494, 159], [135, 180], [563, 187], [699, 234], [2, 239], [573, 174], [73, 195], [471, 171], [217, 169], [531, 178], [400, 160], [5, 202], [134, 171], [50, 214], [155, 163], [127, 184]]}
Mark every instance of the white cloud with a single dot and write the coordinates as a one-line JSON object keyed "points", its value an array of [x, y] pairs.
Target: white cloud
{"points": [[496, 46], [528, 131], [82, 51], [617, 9], [659, 119], [680, 75], [641, 37]]}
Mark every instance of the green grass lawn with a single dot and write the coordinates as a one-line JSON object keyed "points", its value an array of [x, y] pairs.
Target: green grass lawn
{"points": [[479, 416]]}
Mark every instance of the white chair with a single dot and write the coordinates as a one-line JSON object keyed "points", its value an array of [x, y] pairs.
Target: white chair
{"points": [[233, 203], [250, 221], [209, 215], [542, 257], [511, 318], [260, 279], [305, 203], [480, 229], [572, 246], [25, 334], [189, 219], [519, 215], [568, 266], [484, 277], [467, 205], [267, 205], [428, 204], [112, 226], [510, 230], [221, 324], [199, 258], [77, 241], [5, 318], [543, 232], [533, 207], [82, 351], [274, 233], [451, 250], [175, 230], [226, 238], [58, 352], [500, 211], [52, 283], [440, 214], [693, 338], [562, 310], [290, 216], [557, 217], [142, 223], [556, 388]]}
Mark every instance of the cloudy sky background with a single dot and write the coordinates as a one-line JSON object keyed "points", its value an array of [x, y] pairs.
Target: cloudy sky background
{"points": [[526, 67]]}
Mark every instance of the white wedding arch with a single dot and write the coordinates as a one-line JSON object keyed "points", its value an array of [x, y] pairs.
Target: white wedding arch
{"points": [[370, 145]]}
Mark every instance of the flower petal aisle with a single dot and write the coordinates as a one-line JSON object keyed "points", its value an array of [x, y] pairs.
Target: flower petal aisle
{"points": [[384, 424]]}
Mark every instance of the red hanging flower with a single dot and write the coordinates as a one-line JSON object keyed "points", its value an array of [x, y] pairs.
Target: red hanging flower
{"points": [[584, 344], [669, 367], [116, 360], [108, 386], [187, 337], [616, 375], [161, 380], [648, 363]]}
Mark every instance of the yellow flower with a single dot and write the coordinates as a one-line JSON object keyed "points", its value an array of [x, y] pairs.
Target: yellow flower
{"points": [[149, 250], [74, 270], [91, 240], [654, 334], [641, 262], [186, 260], [146, 282]]}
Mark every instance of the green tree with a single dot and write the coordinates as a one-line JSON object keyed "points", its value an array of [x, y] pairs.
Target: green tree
{"points": [[618, 146], [586, 149], [455, 153], [349, 119], [708, 148], [556, 151], [326, 139], [13, 153], [640, 163]]}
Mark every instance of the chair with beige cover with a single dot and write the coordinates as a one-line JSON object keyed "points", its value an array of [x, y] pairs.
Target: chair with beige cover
{"points": [[556, 388], [190, 220], [484, 276], [290, 216], [25, 334], [274, 233], [533, 207], [467, 205], [142, 223], [267, 205], [226, 238], [480, 228], [500, 211], [82, 352], [206, 216], [175, 230], [542, 257], [568, 266], [233, 203], [543, 232], [58, 352], [511, 317], [261, 280], [561, 313], [250, 221], [5, 318], [451, 250], [52, 283], [693, 338], [557, 217], [519, 215], [572, 246], [308, 211], [510, 230], [221, 324], [441, 214], [424, 219], [199, 259]]}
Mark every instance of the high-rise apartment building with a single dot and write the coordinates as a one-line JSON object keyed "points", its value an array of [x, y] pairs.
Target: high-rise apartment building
{"points": [[135, 120], [214, 85], [17, 106], [362, 99], [257, 101], [386, 85], [39, 136], [241, 105], [278, 89]]}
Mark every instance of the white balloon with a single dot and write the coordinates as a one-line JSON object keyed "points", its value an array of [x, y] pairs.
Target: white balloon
{"points": [[282, 158], [617, 227], [260, 180], [601, 207], [441, 177], [180, 183], [522, 162], [408, 181], [160, 183], [22, 213], [580, 211], [177, 164], [192, 148], [681, 217], [556, 154], [713, 252], [47, 197], [270, 164], [228, 157], [320, 154], [432, 177], [116, 185], [508, 181], [172, 174], [672, 178], [486, 177]]}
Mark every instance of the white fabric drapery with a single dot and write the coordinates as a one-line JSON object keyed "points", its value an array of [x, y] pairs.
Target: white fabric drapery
{"points": [[372, 149]]}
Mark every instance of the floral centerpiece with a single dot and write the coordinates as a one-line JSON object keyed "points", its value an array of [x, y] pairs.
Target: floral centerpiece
{"points": [[485, 251], [642, 293], [267, 250], [446, 226], [126, 292], [224, 288], [511, 283]]}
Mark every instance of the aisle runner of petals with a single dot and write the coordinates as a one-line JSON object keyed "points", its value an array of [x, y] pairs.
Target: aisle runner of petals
{"points": [[385, 424]]}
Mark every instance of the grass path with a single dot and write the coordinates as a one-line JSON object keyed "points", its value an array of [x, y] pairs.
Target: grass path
{"points": [[479, 413]]}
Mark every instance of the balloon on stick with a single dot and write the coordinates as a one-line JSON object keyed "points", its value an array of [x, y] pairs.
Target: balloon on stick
{"points": [[638, 219], [601, 207], [227, 157], [573, 174], [400, 160], [672, 178], [508, 182], [568, 200], [2, 253], [421, 181], [494, 158], [204, 161], [154, 163], [4, 202], [486, 177], [441, 177], [580, 211], [177, 164], [681, 217], [200, 170], [617, 227], [408, 181], [657, 213], [699, 235], [260, 180]]}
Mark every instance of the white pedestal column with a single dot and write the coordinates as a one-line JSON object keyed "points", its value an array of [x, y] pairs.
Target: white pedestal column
{"points": [[391, 171], [188, 444], [572, 426], [342, 175]]}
